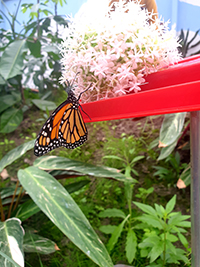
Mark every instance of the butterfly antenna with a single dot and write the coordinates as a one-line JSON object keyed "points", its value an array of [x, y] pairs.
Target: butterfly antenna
{"points": [[84, 91], [84, 112], [70, 85], [80, 97]]}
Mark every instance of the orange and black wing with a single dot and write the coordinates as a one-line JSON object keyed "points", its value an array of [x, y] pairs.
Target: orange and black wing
{"points": [[65, 127]]}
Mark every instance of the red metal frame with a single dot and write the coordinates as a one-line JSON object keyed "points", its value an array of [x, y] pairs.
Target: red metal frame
{"points": [[175, 89]]}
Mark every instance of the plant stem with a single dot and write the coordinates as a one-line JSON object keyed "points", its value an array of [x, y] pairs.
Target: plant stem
{"points": [[1, 208], [13, 198]]}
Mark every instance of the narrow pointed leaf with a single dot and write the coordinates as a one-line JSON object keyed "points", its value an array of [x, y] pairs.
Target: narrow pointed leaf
{"points": [[131, 245], [26, 210], [12, 60], [38, 244], [15, 154], [61, 163], [116, 234], [57, 204], [170, 205], [11, 236], [112, 213]]}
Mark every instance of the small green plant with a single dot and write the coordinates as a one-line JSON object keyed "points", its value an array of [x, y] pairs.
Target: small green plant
{"points": [[144, 193], [124, 153], [161, 228]]}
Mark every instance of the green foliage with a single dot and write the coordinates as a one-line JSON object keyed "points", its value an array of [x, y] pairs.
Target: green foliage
{"points": [[172, 170], [160, 228], [32, 54], [163, 228]]}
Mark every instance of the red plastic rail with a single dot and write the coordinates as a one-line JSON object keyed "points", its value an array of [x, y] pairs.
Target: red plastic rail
{"points": [[175, 89]]}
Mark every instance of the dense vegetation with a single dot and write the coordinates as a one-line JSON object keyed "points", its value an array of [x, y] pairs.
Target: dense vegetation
{"points": [[139, 213]]}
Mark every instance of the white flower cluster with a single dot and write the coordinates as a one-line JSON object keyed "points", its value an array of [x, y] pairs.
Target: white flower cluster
{"points": [[115, 50]]}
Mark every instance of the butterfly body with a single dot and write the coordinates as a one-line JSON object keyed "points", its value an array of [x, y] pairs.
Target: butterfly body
{"points": [[65, 127]]}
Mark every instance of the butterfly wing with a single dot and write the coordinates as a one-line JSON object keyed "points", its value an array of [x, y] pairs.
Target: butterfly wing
{"points": [[65, 127]]}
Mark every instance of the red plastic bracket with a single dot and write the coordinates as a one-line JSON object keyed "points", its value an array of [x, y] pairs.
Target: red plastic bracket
{"points": [[175, 89]]}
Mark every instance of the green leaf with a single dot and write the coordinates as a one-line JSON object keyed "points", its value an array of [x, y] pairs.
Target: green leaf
{"points": [[7, 101], [29, 208], [38, 244], [170, 205], [112, 213], [12, 59], [179, 220], [152, 220], [9, 260], [10, 120], [26, 210], [156, 251], [183, 240], [185, 177], [171, 128], [166, 151], [107, 229], [131, 245], [137, 159], [11, 236], [35, 47], [61, 163], [146, 208], [15, 154], [73, 187], [116, 234], [44, 104], [58, 205], [113, 157]]}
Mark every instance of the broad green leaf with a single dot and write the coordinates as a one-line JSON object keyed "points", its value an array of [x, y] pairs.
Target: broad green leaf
{"points": [[7, 101], [170, 205], [112, 213], [12, 59], [171, 128], [15, 154], [10, 120], [131, 245], [29, 208], [38, 244], [11, 236], [166, 151], [116, 234], [44, 104], [9, 260], [61, 163], [26, 210], [57, 204], [107, 229]]}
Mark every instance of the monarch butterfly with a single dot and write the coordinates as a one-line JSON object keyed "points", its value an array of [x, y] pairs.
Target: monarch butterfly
{"points": [[65, 127]]}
